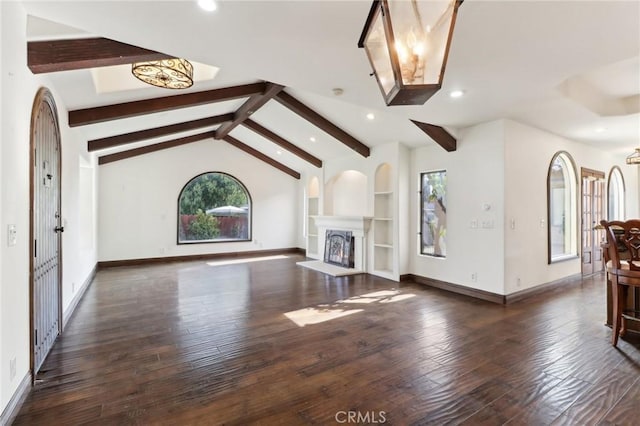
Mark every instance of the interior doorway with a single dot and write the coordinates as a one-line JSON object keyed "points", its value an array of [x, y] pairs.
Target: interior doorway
{"points": [[45, 229], [592, 213]]}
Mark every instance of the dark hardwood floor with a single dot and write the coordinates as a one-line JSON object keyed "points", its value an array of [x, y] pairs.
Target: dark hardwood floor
{"points": [[194, 343]]}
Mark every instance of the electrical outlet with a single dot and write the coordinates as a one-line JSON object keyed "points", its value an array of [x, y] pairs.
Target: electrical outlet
{"points": [[474, 277], [518, 282]]}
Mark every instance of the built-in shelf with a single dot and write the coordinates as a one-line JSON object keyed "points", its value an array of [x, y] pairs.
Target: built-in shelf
{"points": [[313, 209], [383, 245], [383, 212]]}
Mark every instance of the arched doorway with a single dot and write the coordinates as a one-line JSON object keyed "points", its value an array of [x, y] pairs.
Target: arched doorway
{"points": [[45, 228]]}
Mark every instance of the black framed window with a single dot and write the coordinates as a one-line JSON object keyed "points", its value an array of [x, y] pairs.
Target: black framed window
{"points": [[433, 208], [214, 207]]}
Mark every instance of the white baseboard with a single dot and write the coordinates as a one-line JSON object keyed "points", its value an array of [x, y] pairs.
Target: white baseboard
{"points": [[11, 410], [76, 299]]}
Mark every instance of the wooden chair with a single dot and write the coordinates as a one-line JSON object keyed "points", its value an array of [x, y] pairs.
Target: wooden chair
{"points": [[622, 273]]}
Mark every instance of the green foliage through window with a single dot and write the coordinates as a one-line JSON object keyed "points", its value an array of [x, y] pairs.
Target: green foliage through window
{"points": [[214, 207]]}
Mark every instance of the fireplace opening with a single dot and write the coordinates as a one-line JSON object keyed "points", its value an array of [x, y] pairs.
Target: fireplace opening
{"points": [[339, 248]]}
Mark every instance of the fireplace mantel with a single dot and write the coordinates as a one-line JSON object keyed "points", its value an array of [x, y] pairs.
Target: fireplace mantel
{"points": [[359, 225]]}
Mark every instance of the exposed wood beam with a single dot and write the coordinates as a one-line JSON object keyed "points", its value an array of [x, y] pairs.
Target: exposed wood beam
{"points": [[82, 53], [278, 140], [111, 141], [105, 159], [86, 116], [319, 121], [438, 134], [246, 148], [252, 104]]}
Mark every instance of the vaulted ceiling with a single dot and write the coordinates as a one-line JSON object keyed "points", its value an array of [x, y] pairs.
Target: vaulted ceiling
{"points": [[569, 67]]}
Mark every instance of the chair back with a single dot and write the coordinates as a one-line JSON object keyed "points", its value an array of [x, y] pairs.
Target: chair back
{"points": [[623, 236]]}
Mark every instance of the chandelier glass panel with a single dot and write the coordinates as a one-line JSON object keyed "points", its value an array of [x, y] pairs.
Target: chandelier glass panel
{"points": [[407, 43]]}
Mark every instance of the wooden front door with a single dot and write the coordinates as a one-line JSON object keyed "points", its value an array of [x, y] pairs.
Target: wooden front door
{"points": [[592, 214], [45, 227]]}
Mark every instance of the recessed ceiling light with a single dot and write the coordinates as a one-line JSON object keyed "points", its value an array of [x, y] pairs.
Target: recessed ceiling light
{"points": [[279, 152], [456, 93], [601, 130], [312, 139], [370, 116], [208, 5]]}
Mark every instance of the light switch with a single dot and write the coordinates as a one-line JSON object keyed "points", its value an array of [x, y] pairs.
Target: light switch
{"points": [[12, 235]]}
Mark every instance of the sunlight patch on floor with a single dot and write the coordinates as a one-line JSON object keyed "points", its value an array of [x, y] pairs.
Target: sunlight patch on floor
{"points": [[317, 315], [246, 260], [327, 312]]}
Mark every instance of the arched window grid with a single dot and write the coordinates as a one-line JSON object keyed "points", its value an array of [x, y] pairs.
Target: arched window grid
{"points": [[214, 207], [615, 195], [562, 208]]}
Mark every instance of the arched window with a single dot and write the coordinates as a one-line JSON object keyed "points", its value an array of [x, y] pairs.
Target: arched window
{"points": [[615, 195], [214, 207], [562, 208]]}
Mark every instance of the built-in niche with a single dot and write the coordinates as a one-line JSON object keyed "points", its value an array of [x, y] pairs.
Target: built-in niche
{"points": [[313, 209], [383, 222], [346, 194]]}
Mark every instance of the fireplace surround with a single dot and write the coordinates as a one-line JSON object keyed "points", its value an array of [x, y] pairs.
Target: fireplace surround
{"points": [[339, 248]]}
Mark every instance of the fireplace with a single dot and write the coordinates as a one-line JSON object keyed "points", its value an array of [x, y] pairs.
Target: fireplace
{"points": [[339, 248]]}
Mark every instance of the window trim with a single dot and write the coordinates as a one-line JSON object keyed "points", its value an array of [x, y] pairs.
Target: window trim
{"points": [[421, 216], [249, 222], [624, 193], [565, 256]]}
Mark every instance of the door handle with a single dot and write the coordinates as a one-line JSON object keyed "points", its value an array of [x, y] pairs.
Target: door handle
{"points": [[58, 229]]}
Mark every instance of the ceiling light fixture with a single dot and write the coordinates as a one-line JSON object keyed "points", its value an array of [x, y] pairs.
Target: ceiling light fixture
{"points": [[634, 159], [407, 43], [312, 139], [208, 5], [171, 73], [370, 116], [456, 93]]}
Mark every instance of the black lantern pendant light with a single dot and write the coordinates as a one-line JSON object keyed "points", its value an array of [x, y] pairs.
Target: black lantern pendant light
{"points": [[407, 42]]}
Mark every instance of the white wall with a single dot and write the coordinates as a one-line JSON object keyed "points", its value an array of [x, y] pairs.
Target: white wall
{"points": [[405, 242], [138, 202], [19, 87], [528, 154], [503, 164], [475, 178]]}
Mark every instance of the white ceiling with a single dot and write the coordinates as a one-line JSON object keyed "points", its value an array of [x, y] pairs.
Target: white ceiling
{"points": [[569, 67]]}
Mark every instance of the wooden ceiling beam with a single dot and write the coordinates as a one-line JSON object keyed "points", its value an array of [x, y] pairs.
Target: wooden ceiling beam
{"points": [[439, 135], [260, 156], [101, 114], [252, 104], [112, 141], [278, 140], [82, 53], [322, 123], [105, 159]]}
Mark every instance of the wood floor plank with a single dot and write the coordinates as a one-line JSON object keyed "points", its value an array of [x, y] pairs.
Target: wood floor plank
{"points": [[194, 343]]}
